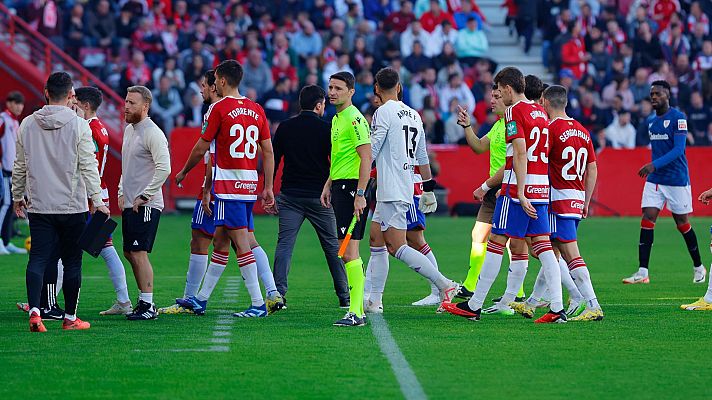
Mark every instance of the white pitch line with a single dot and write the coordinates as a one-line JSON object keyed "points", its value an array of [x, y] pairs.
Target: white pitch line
{"points": [[409, 384]]}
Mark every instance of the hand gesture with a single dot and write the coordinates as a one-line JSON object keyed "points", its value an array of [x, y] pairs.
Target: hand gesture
{"points": [[463, 116], [705, 196]]}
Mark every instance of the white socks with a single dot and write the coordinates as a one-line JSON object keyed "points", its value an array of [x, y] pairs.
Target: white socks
{"points": [[642, 272], [378, 266], [539, 289], [70, 317], [568, 282], [552, 272], [515, 277], [264, 271], [147, 297], [708, 295], [420, 264], [213, 274], [489, 272], [248, 270], [116, 273], [428, 252], [582, 277], [197, 267]]}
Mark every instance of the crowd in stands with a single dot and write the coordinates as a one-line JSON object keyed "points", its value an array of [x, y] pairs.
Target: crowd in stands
{"points": [[607, 52]]}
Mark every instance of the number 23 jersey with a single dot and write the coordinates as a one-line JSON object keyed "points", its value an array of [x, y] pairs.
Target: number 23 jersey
{"points": [[237, 125], [398, 145], [571, 152]]}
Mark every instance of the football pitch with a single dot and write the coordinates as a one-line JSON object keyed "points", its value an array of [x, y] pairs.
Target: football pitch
{"points": [[645, 348]]}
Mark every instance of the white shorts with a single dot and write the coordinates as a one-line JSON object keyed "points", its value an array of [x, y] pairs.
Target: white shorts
{"points": [[391, 214], [678, 198]]}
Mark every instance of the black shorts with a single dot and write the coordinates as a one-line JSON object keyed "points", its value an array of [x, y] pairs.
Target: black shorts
{"points": [[343, 192], [139, 228], [487, 207]]}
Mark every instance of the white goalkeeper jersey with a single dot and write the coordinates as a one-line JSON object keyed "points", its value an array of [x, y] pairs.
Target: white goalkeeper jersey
{"points": [[397, 146]]}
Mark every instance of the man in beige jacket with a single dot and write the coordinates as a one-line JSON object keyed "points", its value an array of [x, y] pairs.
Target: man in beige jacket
{"points": [[145, 166], [56, 170]]}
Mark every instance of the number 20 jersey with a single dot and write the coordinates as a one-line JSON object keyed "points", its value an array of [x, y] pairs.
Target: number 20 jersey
{"points": [[571, 152], [528, 120], [237, 125]]}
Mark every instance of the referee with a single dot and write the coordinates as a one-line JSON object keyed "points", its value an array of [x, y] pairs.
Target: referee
{"points": [[56, 167], [346, 186], [145, 166], [303, 141]]}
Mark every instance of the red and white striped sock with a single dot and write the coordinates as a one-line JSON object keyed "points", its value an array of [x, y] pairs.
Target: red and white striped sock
{"points": [[218, 262], [248, 270], [489, 272], [582, 278]]}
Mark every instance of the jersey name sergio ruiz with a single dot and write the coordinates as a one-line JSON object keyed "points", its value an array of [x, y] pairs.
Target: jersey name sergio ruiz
{"points": [[528, 120], [571, 152], [237, 125]]}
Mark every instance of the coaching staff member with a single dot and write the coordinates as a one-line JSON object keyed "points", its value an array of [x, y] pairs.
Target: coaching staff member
{"points": [[304, 142], [145, 166], [56, 167]]}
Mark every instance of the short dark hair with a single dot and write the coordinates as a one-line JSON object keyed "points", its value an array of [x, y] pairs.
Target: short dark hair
{"points": [[510, 76], [91, 95], [556, 96], [661, 83], [58, 85], [310, 96], [231, 70], [533, 87], [15, 97], [387, 78], [346, 77], [209, 76]]}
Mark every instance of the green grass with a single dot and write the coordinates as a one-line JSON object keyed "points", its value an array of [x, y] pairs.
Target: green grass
{"points": [[645, 348]]}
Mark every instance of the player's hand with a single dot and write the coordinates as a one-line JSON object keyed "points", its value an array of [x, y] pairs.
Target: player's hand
{"points": [[705, 196], [205, 203], [180, 176], [428, 203], [359, 206], [528, 207], [646, 170], [103, 209], [479, 194], [585, 210], [325, 197], [138, 202], [19, 207], [463, 117], [79, 111], [267, 199], [121, 202]]}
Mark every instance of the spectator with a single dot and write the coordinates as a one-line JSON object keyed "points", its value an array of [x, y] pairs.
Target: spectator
{"points": [[641, 17], [600, 61], [211, 19], [446, 57], [387, 45], [186, 57], [686, 74], [277, 101], [232, 51], [662, 12], [454, 134], [414, 33], [697, 17], [401, 19], [703, 62], [662, 70], [359, 55], [170, 71], [435, 16], [307, 42], [181, 17], [364, 89], [674, 43], [620, 86], [443, 33], [432, 124], [125, 26], [310, 67], [167, 105], [526, 19], [456, 89], [101, 26], [147, 41], [640, 87], [257, 74], [46, 18], [340, 64], [192, 116], [417, 61], [75, 38], [590, 115], [329, 54], [642, 136], [647, 47], [471, 44], [699, 118], [280, 45], [426, 87], [483, 107], [195, 69], [451, 68], [137, 73], [464, 14], [573, 52], [697, 39], [241, 18], [616, 36], [377, 11], [621, 133], [283, 69]]}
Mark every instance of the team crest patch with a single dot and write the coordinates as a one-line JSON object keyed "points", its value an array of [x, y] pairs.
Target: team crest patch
{"points": [[666, 123], [511, 128], [354, 123], [681, 125]]}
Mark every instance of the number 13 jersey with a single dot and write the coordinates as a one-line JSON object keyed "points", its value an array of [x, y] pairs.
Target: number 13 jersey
{"points": [[528, 120], [571, 152], [237, 125], [398, 145]]}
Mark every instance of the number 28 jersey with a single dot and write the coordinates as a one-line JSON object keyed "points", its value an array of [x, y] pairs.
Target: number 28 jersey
{"points": [[237, 125], [571, 152], [528, 120]]}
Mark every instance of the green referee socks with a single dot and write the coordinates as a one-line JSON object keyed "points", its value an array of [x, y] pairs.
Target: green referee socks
{"points": [[354, 274], [477, 258]]}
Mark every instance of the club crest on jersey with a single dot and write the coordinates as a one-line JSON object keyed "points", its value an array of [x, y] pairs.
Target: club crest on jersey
{"points": [[666, 123], [681, 125], [511, 128]]}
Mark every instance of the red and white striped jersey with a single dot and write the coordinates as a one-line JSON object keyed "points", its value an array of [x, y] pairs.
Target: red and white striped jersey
{"points": [[237, 125], [101, 149], [417, 178], [571, 151], [527, 120]]}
